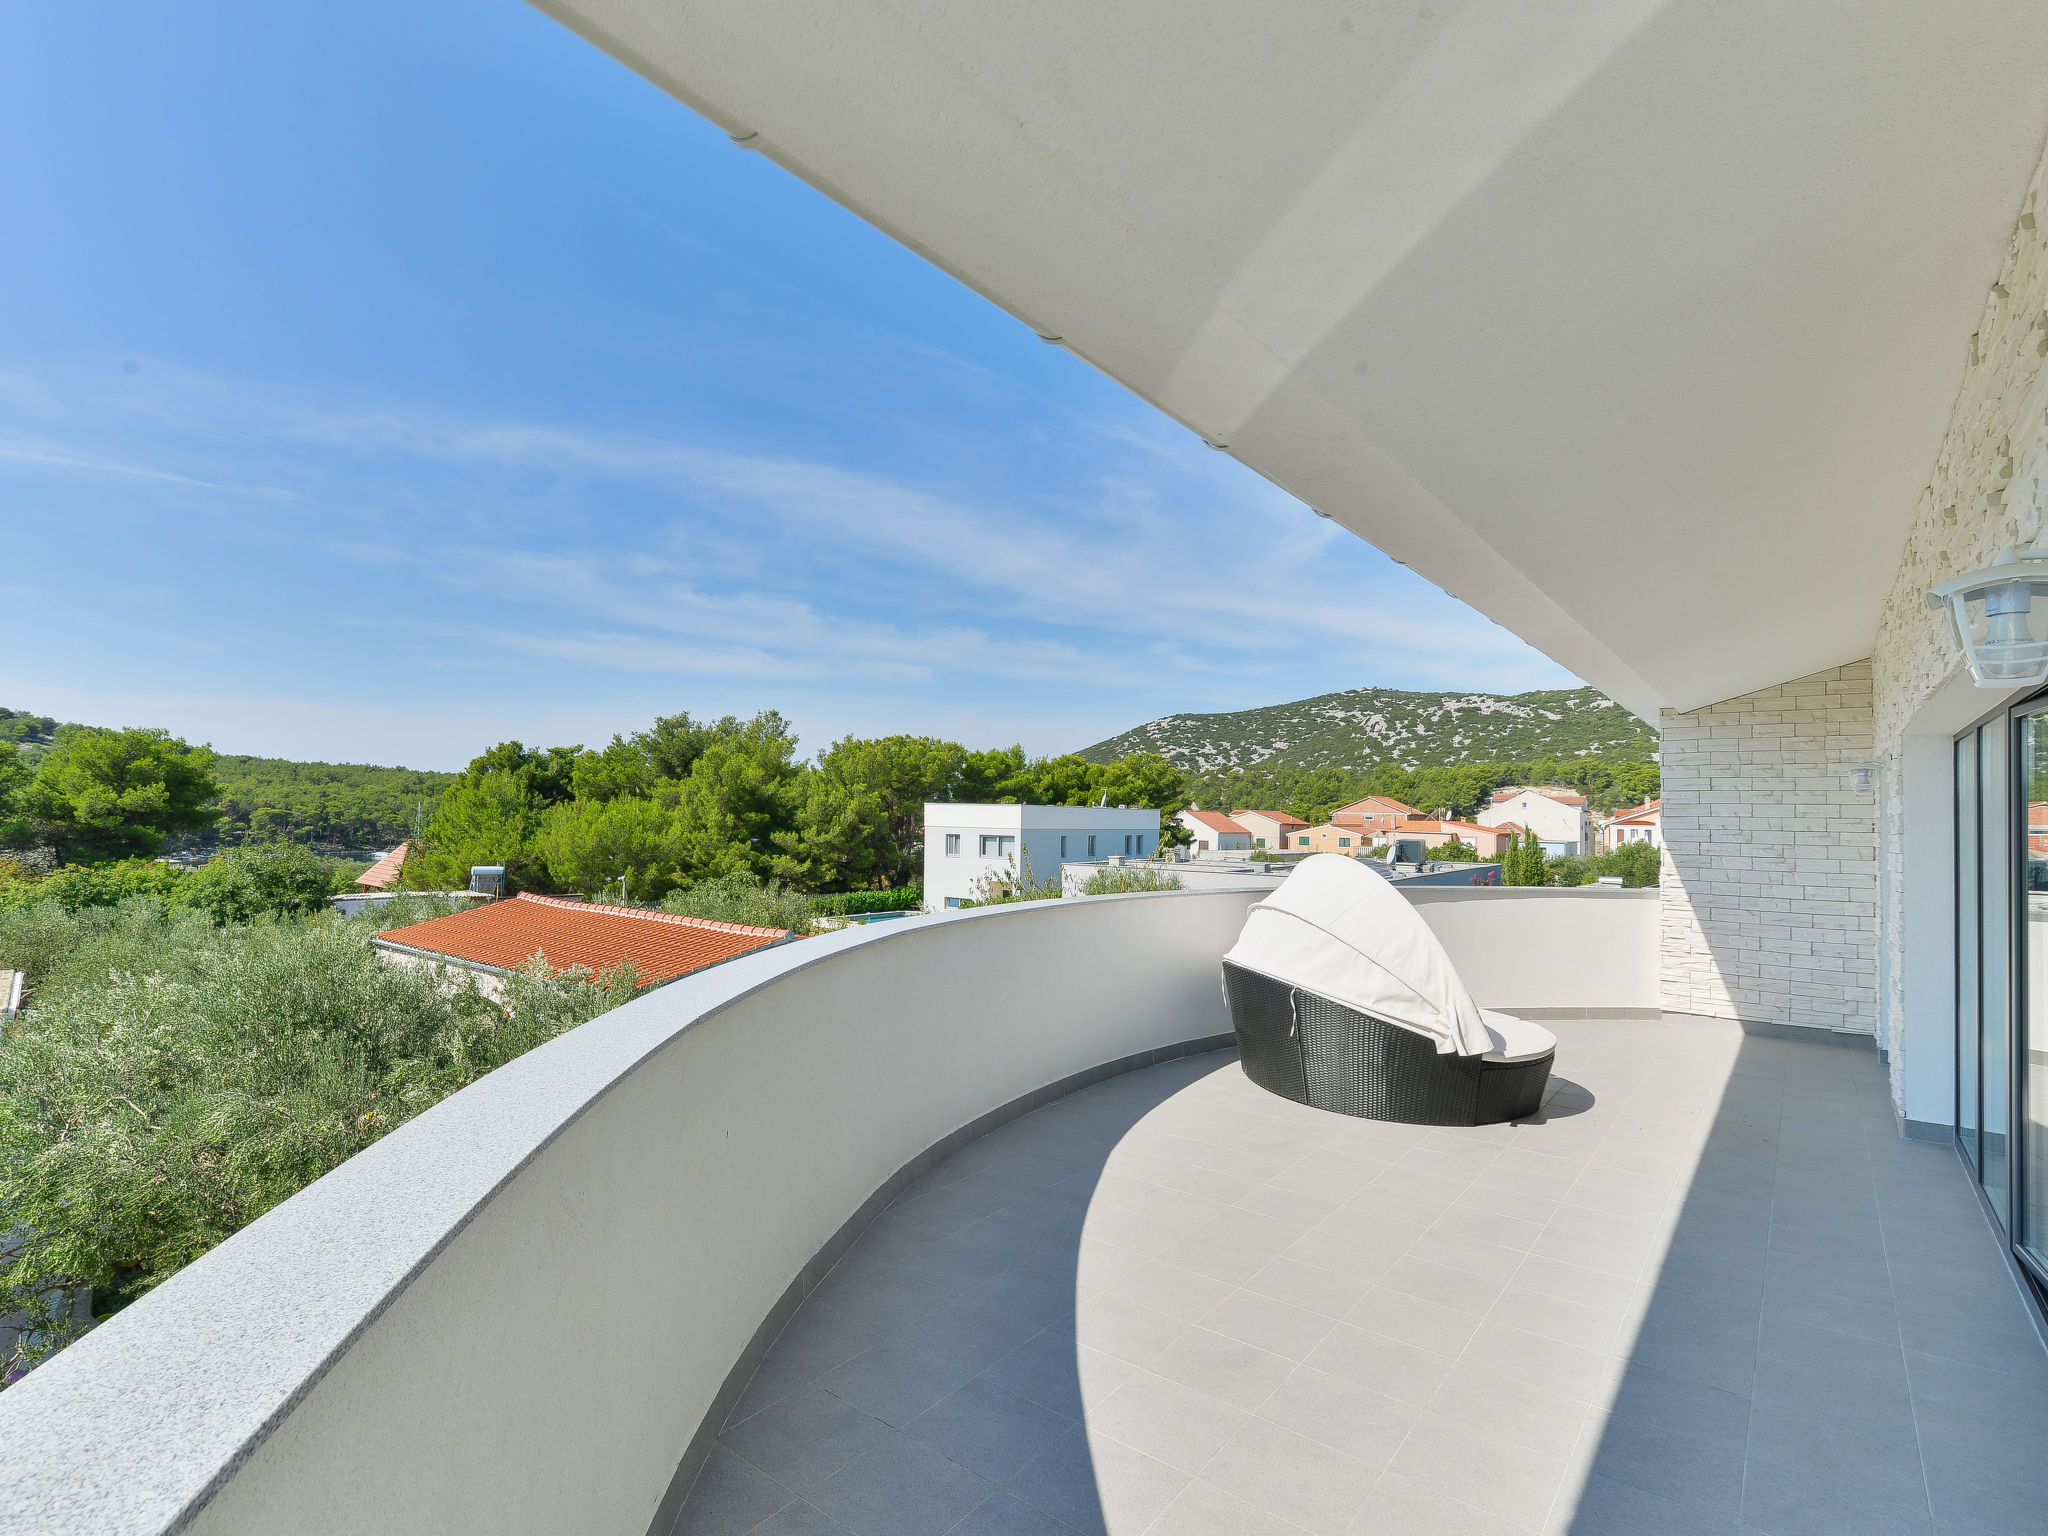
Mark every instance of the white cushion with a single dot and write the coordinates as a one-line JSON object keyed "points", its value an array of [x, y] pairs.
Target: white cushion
{"points": [[1516, 1039]]}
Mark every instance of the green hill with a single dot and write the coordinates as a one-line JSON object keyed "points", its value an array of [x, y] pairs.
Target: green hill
{"points": [[1365, 727], [326, 805]]}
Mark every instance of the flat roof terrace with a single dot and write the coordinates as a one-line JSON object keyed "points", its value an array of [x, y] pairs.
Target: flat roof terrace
{"points": [[1710, 1290]]}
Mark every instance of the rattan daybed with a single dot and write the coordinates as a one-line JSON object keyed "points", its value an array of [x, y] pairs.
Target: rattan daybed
{"points": [[1343, 999]]}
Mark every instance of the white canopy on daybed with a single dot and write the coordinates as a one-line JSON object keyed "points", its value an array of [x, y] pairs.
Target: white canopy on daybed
{"points": [[1344, 932]]}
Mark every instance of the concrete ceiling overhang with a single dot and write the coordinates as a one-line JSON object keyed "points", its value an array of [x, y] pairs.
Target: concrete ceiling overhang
{"points": [[1636, 324]]}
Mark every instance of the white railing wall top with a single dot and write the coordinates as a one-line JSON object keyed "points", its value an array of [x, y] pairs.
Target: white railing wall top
{"points": [[513, 1312]]}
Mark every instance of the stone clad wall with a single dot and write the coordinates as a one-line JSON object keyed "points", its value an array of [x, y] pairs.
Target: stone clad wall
{"points": [[1986, 493], [1769, 903]]}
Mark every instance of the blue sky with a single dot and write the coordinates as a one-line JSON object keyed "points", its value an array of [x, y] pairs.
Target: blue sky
{"points": [[380, 381]]}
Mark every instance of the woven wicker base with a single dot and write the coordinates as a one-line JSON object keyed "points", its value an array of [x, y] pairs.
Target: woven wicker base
{"points": [[1306, 1048]]}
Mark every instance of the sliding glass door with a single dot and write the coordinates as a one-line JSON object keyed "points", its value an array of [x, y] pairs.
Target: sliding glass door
{"points": [[2001, 822]]}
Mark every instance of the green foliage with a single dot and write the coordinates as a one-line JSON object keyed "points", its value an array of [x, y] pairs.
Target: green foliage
{"points": [[686, 802], [589, 845], [740, 896], [325, 805], [1638, 864], [18, 725], [1121, 879], [75, 886], [739, 794], [174, 1080], [264, 880], [1523, 863], [115, 794], [487, 818], [904, 898]]}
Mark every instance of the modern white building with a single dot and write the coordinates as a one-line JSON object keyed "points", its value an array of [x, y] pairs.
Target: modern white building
{"points": [[964, 844], [1559, 819]]}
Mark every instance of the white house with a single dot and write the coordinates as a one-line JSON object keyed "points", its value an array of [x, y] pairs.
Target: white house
{"points": [[1558, 817], [1638, 824], [965, 843], [1214, 832]]}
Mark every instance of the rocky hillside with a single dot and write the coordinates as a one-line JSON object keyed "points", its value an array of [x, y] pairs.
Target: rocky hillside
{"points": [[1368, 726]]}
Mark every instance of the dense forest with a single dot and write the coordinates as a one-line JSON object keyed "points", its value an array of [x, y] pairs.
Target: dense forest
{"points": [[324, 805]]}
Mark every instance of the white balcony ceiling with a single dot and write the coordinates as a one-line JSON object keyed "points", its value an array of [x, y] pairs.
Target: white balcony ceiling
{"points": [[1636, 325]]}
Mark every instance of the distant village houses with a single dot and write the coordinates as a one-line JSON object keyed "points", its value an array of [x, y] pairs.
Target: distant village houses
{"points": [[1269, 829]]}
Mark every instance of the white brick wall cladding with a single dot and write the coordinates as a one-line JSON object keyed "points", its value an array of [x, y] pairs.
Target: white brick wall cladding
{"points": [[1757, 803], [1770, 857], [1986, 493]]}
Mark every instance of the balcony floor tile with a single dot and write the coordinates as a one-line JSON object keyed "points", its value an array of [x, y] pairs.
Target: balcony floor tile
{"points": [[1709, 1289]]}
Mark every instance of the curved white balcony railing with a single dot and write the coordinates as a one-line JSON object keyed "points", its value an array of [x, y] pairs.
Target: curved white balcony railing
{"points": [[527, 1309]]}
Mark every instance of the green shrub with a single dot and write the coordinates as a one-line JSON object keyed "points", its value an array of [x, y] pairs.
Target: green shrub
{"points": [[1523, 863], [904, 898], [1571, 869], [173, 1080], [73, 886], [264, 880], [1454, 853], [1640, 865], [1119, 879], [740, 897]]}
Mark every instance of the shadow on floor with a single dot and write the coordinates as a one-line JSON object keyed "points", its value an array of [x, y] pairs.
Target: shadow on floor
{"points": [[932, 1383], [1708, 1290]]}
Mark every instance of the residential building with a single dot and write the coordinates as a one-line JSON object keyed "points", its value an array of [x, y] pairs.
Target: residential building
{"points": [[1489, 842], [967, 844], [385, 874], [1637, 824], [1375, 814], [1575, 321], [1559, 817], [1269, 829], [1328, 837], [495, 939], [1212, 831]]}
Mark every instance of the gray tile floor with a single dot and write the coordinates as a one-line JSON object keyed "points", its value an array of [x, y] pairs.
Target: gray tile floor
{"points": [[1710, 1291]]}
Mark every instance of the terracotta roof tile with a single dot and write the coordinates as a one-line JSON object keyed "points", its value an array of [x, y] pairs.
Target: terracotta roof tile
{"points": [[1281, 817], [506, 934], [1216, 821], [383, 875], [1647, 809]]}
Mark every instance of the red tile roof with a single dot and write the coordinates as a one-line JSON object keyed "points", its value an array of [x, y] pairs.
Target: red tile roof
{"points": [[504, 935], [1374, 805], [1644, 811], [1216, 821], [1282, 817], [383, 875]]}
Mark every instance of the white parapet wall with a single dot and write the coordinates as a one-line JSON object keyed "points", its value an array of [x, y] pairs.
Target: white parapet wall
{"points": [[1587, 950], [517, 1312]]}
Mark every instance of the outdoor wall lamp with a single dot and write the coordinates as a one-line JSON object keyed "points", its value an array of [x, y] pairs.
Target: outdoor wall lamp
{"points": [[1994, 613]]}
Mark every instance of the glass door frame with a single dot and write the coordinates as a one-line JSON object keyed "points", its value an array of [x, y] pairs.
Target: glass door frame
{"points": [[2016, 845], [2017, 1067]]}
